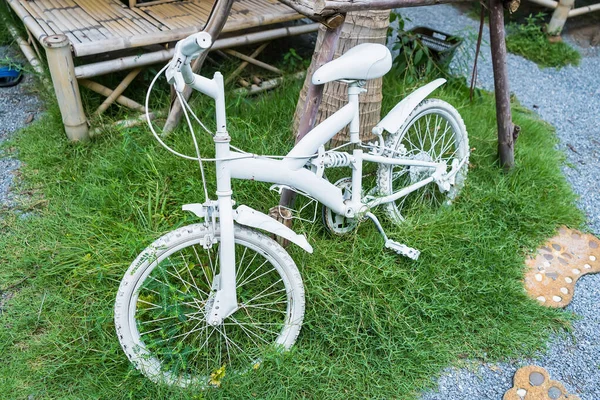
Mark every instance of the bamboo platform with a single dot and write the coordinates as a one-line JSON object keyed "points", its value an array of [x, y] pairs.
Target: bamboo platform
{"points": [[99, 26], [88, 38]]}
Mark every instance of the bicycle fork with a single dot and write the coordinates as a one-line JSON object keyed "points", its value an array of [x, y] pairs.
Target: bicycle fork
{"points": [[223, 301]]}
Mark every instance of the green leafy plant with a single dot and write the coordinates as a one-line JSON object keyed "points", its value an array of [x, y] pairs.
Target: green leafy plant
{"points": [[416, 60], [530, 41], [292, 59]]}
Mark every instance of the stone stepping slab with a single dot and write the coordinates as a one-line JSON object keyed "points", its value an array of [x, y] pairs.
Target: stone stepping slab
{"points": [[554, 270], [534, 383]]}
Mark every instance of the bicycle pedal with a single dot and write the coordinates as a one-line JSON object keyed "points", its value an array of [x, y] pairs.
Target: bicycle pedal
{"points": [[402, 249]]}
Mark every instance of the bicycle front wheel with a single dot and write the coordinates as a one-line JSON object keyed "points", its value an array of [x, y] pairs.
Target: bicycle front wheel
{"points": [[161, 306], [433, 132]]}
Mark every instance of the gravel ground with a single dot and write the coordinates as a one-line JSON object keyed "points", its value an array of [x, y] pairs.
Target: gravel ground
{"points": [[18, 107], [569, 99]]}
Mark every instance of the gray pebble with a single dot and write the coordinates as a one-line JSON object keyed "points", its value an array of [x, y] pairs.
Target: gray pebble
{"points": [[568, 98]]}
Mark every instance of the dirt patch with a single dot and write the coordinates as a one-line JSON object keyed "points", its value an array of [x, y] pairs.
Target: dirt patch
{"points": [[585, 36]]}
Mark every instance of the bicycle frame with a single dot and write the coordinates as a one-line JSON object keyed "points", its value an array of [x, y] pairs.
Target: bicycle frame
{"points": [[289, 171]]}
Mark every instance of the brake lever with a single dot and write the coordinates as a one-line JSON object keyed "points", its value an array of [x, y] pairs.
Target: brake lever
{"points": [[186, 50], [174, 75]]}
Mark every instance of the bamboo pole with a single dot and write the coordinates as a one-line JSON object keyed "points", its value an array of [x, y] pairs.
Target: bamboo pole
{"points": [[60, 63], [254, 61], [29, 54], [314, 95], [28, 20], [30, 40], [118, 91], [104, 91], [214, 26], [320, 8], [122, 63], [584, 10], [244, 64], [506, 128], [546, 3], [266, 85], [127, 123], [559, 17]]}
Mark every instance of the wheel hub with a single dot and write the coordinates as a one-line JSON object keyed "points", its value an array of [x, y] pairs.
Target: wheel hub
{"points": [[418, 173]]}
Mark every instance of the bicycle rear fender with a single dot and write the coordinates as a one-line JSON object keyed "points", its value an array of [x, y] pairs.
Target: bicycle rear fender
{"points": [[396, 117]]}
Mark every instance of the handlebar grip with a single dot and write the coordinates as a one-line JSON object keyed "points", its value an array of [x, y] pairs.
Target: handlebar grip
{"points": [[179, 70], [195, 43]]}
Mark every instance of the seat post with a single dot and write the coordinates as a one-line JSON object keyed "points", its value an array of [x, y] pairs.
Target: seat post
{"points": [[354, 89]]}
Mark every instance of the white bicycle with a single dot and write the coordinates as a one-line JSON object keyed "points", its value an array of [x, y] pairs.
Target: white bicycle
{"points": [[212, 297]]}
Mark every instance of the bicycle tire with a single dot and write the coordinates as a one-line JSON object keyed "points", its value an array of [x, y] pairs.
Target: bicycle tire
{"points": [[154, 293], [412, 140]]}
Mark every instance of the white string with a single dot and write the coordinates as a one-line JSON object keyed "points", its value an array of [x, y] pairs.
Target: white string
{"points": [[186, 106], [156, 136], [187, 118]]}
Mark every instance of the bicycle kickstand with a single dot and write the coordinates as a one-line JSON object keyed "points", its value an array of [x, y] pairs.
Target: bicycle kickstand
{"points": [[399, 248]]}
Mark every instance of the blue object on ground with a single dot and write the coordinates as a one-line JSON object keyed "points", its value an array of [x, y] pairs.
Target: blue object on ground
{"points": [[10, 76]]}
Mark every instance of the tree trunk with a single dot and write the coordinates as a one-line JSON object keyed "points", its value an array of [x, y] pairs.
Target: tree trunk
{"points": [[359, 27]]}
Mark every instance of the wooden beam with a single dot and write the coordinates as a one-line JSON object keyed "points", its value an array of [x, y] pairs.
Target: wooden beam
{"points": [[506, 129], [320, 9]]}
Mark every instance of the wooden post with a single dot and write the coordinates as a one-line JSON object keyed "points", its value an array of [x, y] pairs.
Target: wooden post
{"points": [[310, 109], [214, 26], [62, 70], [501, 89], [559, 17]]}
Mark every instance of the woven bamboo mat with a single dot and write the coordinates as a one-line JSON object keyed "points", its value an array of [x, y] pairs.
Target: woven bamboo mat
{"points": [[97, 26]]}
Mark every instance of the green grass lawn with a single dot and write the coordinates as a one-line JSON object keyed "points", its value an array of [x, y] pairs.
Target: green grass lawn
{"points": [[529, 40], [377, 325]]}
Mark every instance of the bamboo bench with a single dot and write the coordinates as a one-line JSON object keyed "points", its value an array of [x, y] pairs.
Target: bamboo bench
{"points": [[75, 34]]}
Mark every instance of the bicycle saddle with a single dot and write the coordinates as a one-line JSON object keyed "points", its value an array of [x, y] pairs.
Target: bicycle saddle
{"points": [[362, 62]]}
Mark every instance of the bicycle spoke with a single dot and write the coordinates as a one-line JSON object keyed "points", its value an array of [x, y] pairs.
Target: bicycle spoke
{"points": [[256, 277], [247, 266], [202, 267], [261, 295], [249, 331], [237, 270]]}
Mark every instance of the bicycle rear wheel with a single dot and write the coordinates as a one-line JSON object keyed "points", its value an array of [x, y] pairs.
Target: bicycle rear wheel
{"points": [[434, 132], [164, 296]]}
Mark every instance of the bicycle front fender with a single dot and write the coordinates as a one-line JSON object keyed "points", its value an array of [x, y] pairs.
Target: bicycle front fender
{"points": [[396, 117], [247, 216]]}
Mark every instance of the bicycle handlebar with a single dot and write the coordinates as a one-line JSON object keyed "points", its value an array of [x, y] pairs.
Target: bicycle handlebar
{"points": [[186, 50]]}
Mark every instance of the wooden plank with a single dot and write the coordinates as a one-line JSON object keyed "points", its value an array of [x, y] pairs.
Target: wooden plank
{"points": [[98, 26], [149, 19], [37, 18], [54, 23], [140, 21]]}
